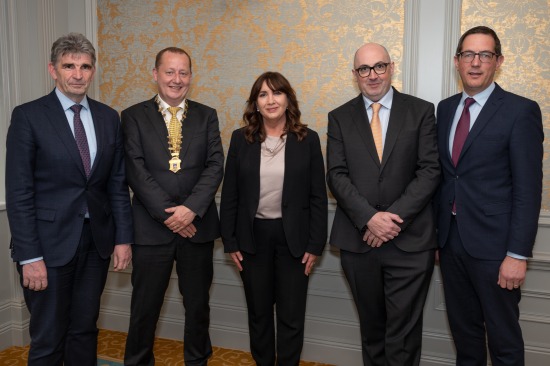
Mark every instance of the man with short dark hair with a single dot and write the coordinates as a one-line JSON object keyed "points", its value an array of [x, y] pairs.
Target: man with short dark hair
{"points": [[490, 147], [174, 160], [68, 206]]}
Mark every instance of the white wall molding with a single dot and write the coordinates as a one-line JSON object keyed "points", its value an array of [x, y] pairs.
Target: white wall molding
{"points": [[410, 47], [91, 34], [453, 10]]}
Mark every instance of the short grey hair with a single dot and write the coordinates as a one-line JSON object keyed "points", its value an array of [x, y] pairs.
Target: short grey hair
{"points": [[70, 44]]}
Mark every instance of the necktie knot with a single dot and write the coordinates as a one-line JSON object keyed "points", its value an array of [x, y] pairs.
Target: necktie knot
{"points": [[76, 108], [376, 107], [174, 111], [468, 102]]}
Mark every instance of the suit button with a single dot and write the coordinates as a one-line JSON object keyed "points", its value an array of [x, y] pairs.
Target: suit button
{"points": [[377, 207]]}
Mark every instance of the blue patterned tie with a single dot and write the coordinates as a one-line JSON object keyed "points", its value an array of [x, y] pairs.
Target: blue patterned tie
{"points": [[81, 139]]}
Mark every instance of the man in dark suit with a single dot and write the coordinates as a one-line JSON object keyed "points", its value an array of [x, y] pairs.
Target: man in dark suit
{"points": [[383, 177], [174, 159], [68, 205], [488, 203]]}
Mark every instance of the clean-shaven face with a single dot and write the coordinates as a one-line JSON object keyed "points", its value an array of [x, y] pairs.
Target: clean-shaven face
{"points": [[476, 75], [173, 77], [73, 73]]}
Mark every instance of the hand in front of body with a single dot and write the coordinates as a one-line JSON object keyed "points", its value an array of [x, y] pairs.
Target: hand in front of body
{"points": [[181, 221], [372, 239], [309, 260], [122, 256], [35, 275], [237, 257], [383, 225], [512, 273]]}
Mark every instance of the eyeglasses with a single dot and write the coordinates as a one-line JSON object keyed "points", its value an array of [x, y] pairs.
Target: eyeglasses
{"points": [[468, 56], [380, 68]]}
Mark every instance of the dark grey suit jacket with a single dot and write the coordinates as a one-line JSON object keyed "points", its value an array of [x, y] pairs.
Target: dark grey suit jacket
{"points": [[155, 187], [403, 183], [47, 189]]}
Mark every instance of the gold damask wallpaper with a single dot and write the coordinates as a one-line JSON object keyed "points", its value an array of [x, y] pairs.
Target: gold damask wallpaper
{"points": [[524, 30], [231, 42]]}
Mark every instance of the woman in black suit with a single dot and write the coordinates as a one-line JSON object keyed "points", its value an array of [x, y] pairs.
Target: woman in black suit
{"points": [[274, 216]]}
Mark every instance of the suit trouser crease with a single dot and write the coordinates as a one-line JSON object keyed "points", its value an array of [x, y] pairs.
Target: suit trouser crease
{"points": [[477, 306], [389, 287], [273, 277], [63, 324], [152, 269]]}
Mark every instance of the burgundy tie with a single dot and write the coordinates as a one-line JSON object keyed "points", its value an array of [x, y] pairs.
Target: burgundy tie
{"points": [[81, 140], [462, 130]]}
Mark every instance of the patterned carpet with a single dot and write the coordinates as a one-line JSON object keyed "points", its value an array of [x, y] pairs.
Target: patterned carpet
{"points": [[167, 353]]}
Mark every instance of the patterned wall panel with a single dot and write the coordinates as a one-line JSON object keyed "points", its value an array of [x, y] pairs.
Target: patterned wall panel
{"points": [[231, 42], [524, 29]]}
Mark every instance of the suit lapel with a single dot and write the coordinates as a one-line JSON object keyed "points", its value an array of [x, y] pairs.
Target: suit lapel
{"points": [[292, 154], [188, 127], [56, 116], [398, 115], [157, 123], [361, 120], [489, 109], [99, 127], [449, 120]]}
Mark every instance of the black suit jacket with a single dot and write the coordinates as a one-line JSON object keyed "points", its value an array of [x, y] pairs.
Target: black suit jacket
{"points": [[304, 200], [403, 183], [47, 189], [497, 182], [155, 187]]}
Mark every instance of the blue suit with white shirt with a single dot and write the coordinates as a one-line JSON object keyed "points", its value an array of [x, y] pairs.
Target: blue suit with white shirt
{"points": [[496, 187]]}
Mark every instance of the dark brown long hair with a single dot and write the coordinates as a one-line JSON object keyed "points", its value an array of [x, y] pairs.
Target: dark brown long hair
{"points": [[254, 128]]}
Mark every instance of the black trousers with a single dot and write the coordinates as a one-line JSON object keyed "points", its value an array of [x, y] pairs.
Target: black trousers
{"points": [[477, 305], [389, 287], [152, 267], [271, 277], [63, 326]]}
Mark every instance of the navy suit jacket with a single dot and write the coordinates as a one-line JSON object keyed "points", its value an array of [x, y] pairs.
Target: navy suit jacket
{"points": [[155, 187], [497, 183], [304, 200], [47, 189], [402, 183]]}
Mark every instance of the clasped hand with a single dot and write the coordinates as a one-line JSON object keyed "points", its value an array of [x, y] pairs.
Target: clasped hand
{"points": [[181, 221], [381, 228]]}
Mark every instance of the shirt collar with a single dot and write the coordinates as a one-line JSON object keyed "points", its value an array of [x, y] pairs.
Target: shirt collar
{"points": [[481, 97], [165, 105], [385, 101], [67, 103]]}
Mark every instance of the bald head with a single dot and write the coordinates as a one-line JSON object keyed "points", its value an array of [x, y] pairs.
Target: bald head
{"points": [[377, 83], [370, 49]]}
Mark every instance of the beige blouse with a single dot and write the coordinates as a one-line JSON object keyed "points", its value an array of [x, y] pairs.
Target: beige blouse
{"points": [[272, 173]]}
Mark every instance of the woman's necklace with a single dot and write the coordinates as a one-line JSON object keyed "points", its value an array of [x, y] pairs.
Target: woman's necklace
{"points": [[273, 150]]}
